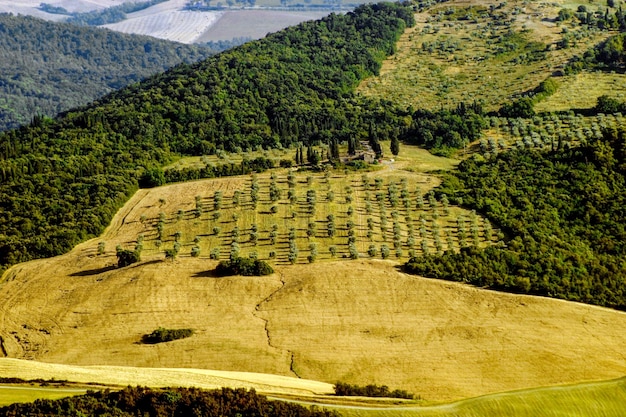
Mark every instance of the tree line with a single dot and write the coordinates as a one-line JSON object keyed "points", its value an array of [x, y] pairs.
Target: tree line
{"points": [[134, 401]]}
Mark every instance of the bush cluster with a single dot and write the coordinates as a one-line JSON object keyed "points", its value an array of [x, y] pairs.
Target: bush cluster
{"points": [[243, 266], [162, 334], [371, 390]]}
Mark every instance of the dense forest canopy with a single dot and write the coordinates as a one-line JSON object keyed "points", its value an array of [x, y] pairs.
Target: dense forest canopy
{"points": [[52, 67], [563, 211], [63, 179]]}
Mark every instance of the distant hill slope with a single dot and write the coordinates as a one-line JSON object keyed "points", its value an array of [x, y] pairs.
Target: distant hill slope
{"points": [[51, 67]]}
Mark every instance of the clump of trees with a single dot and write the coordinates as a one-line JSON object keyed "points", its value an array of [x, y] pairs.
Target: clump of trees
{"points": [[243, 266], [126, 257], [371, 390], [162, 335]]}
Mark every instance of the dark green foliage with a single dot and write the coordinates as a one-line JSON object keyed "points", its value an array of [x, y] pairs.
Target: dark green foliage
{"points": [[371, 390], [152, 177], [162, 335], [608, 105], [166, 402], [127, 257], [62, 180], [445, 128], [607, 56], [395, 146], [522, 107], [51, 67], [243, 266], [564, 214]]}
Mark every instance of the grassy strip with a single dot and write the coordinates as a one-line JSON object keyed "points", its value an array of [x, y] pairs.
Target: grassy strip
{"points": [[11, 395], [604, 399]]}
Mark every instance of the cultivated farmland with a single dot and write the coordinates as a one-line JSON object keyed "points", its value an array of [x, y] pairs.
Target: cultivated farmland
{"points": [[360, 321]]}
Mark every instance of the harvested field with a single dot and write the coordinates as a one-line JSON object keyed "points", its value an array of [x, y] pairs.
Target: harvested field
{"points": [[153, 377], [357, 321], [254, 24]]}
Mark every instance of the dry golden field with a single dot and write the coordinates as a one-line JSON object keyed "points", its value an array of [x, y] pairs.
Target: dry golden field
{"points": [[360, 321]]}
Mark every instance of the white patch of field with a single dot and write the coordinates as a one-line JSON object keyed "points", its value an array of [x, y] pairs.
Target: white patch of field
{"points": [[154, 377], [31, 7], [254, 24], [175, 25]]}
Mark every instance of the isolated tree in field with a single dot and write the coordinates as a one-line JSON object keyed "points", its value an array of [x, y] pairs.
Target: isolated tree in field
{"points": [[312, 252], [420, 201], [384, 251], [217, 200], [353, 251], [195, 251], [215, 253], [330, 196], [234, 250], [311, 200], [127, 257], [445, 204], [273, 234], [101, 247], [292, 197], [198, 210], [274, 191], [293, 252], [333, 250], [371, 251], [330, 227], [310, 231]]}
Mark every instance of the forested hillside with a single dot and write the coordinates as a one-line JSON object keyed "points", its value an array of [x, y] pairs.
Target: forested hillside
{"points": [[563, 212], [51, 67], [63, 179]]}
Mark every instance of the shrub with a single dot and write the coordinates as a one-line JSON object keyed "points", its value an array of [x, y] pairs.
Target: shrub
{"points": [[127, 257], [215, 253], [161, 335], [243, 266]]}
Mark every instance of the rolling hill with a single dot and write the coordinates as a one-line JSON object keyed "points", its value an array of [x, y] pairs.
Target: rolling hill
{"points": [[557, 230], [357, 321], [53, 67]]}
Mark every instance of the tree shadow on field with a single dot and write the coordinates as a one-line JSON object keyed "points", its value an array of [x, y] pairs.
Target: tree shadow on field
{"points": [[211, 273], [90, 272]]}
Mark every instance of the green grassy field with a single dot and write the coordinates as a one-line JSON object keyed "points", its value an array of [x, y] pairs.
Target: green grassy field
{"points": [[601, 399], [25, 394], [459, 53]]}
